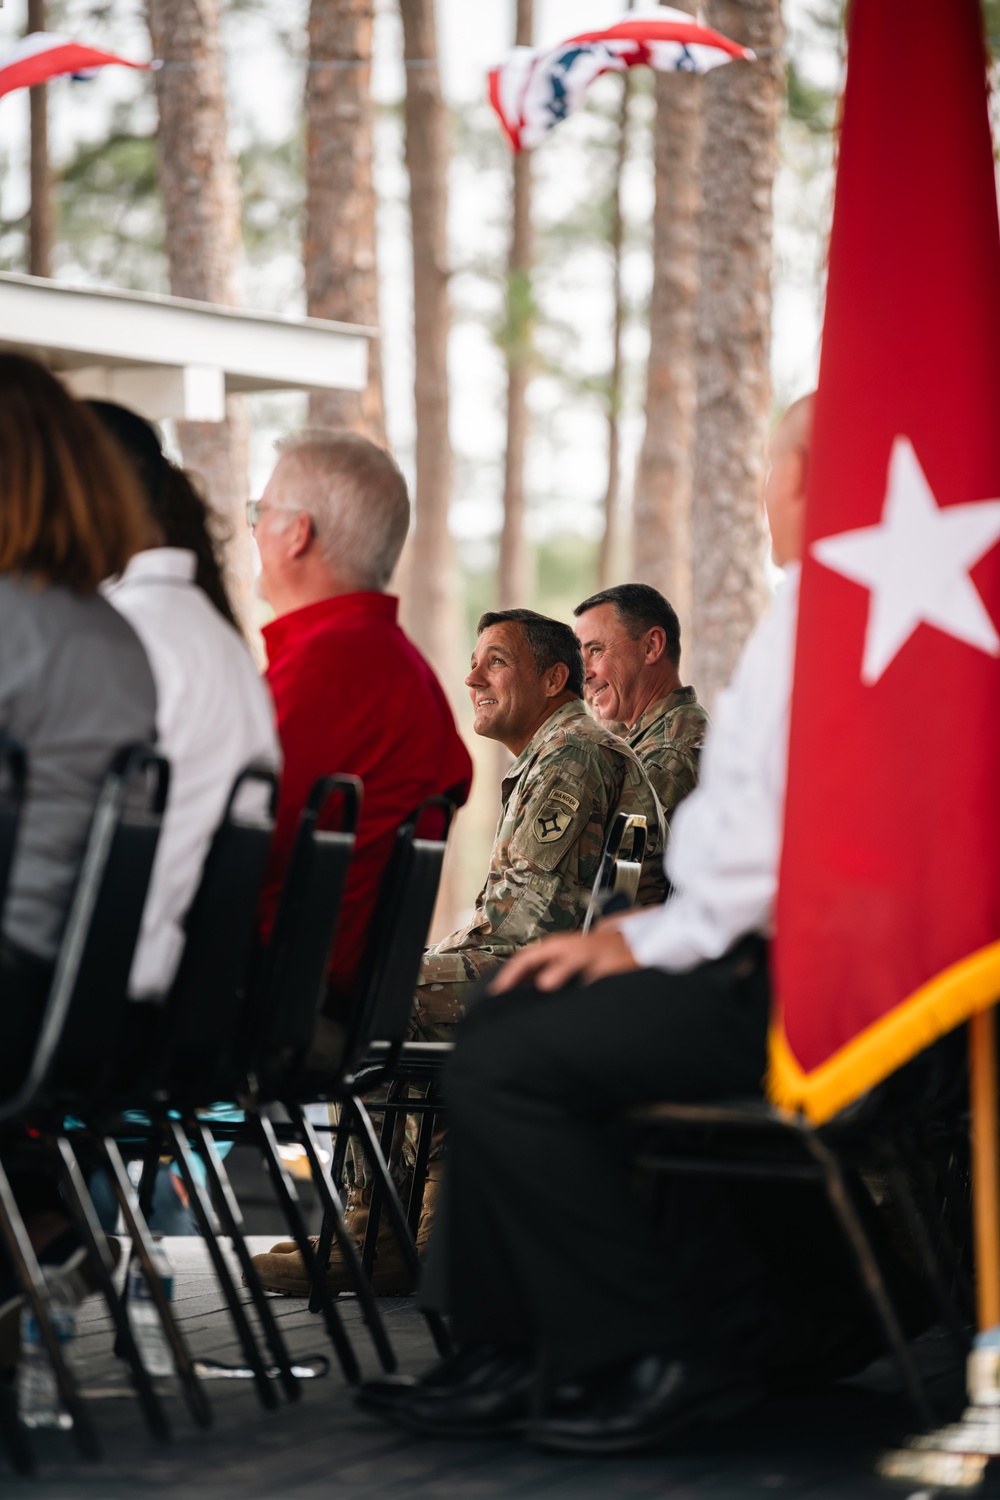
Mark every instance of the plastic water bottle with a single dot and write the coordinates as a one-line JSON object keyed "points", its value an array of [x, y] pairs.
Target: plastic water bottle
{"points": [[147, 1330], [38, 1400]]}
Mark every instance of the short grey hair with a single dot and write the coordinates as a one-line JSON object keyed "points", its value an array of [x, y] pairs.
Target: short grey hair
{"points": [[357, 498]]}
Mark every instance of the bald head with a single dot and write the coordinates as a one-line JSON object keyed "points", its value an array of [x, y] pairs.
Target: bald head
{"points": [[785, 486]]}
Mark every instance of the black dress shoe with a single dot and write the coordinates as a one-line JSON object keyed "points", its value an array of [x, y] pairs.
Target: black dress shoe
{"points": [[491, 1398], [640, 1404], [385, 1391]]}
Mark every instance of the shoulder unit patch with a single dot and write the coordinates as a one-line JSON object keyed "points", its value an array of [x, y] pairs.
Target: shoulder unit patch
{"points": [[551, 823]]}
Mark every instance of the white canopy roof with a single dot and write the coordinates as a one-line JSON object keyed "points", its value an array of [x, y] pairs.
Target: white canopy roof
{"points": [[168, 357]]}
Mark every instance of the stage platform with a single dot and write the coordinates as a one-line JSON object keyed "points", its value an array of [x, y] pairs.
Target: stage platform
{"points": [[813, 1446]]}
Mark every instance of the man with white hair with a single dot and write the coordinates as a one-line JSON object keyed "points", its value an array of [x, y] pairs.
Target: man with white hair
{"points": [[352, 693]]}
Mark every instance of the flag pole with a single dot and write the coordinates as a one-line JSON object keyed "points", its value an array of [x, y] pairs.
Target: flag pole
{"points": [[985, 1166], [957, 1456]]}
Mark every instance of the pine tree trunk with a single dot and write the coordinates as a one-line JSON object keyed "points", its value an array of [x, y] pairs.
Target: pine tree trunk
{"points": [[513, 571], [40, 221], [606, 555], [739, 161], [661, 512], [341, 267], [202, 213], [430, 605]]}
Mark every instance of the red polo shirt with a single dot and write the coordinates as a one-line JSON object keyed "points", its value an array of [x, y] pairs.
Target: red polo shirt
{"points": [[354, 695]]}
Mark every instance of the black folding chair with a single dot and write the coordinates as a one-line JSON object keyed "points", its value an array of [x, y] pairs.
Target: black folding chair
{"points": [[620, 869], [289, 981], [288, 994], [191, 1063], [13, 774], [896, 1131], [376, 1031], [82, 1014]]}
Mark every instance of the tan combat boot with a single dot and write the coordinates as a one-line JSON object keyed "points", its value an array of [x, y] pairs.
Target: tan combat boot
{"points": [[282, 1269]]}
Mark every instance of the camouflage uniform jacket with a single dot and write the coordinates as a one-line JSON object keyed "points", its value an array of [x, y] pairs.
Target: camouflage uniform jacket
{"points": [[559, 797], [667, 739]]}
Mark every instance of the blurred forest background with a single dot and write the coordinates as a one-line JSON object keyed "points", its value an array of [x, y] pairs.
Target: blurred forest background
{"points": [[581, 348]]}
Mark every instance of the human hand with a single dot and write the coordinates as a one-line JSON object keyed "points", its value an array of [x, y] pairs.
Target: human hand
{"points": [[554, 961]]}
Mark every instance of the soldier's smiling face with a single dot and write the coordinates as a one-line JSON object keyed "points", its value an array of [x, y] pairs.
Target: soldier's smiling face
{"points": [[510, 696], [614, 664]]}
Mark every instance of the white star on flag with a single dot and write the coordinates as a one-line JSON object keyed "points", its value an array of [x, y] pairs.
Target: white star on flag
{"points": [[916, 563]]}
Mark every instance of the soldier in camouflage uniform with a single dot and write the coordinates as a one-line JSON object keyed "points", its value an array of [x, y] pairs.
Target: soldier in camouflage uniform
{"points": [[570, 778], [631, 642]]}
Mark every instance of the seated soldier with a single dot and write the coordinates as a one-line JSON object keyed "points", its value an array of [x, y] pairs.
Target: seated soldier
{"points": [[631, 640], [570, 778]]}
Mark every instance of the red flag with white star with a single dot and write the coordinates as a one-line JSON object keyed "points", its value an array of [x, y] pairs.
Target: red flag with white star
{"points": [[888, 919]]}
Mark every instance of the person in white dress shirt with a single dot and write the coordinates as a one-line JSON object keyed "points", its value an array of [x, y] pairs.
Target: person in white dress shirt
{"points": [[559, 1269], [214, 713]]}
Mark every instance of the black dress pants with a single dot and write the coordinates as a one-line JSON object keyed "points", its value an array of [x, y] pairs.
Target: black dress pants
{"points": [[541, 1243]]}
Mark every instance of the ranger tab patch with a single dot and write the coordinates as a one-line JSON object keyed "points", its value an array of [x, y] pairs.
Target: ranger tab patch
{"points": [[551, 823]]}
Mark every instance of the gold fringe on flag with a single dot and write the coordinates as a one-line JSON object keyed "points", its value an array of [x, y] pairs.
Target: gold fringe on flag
{"points": [[971, 985]]}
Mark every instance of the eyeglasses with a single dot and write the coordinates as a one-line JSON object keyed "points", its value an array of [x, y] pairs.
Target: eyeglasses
{"points": [[256, 508]]}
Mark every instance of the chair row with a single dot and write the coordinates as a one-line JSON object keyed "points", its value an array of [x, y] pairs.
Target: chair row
{"points": [[237, 1026]]}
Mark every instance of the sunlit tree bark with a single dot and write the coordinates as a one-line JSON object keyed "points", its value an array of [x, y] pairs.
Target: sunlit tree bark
{"points": [[661, 524], [341, 265], [202, 216], [609, 536], [739, 162], [40, 220], [430, 610], [518, 343]]}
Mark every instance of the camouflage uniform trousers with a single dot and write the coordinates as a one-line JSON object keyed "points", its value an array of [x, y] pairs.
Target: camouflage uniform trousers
{"points": [[436, 1024]]}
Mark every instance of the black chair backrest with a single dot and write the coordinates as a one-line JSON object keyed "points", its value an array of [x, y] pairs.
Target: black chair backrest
{"points": [[200, 1021], [398, 935], [620, 869], [13, 774], [290, 978], [88, 992]]}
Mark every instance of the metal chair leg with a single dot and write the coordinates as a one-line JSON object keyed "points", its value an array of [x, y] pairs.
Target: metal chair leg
{"points": [[32, 1280], [939, 1210], [342, 1140], [333, 1206], [289, 1200], [75, 1191], [203, 1213], [435, 1322], [387, 1132], [229, 1211], [422, 1159], [146, 1190], [142, 1244], [871, 1275], [961, 1341]]}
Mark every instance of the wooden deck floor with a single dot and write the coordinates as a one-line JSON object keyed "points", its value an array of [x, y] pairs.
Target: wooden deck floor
{"points": [[818, 1447]]}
